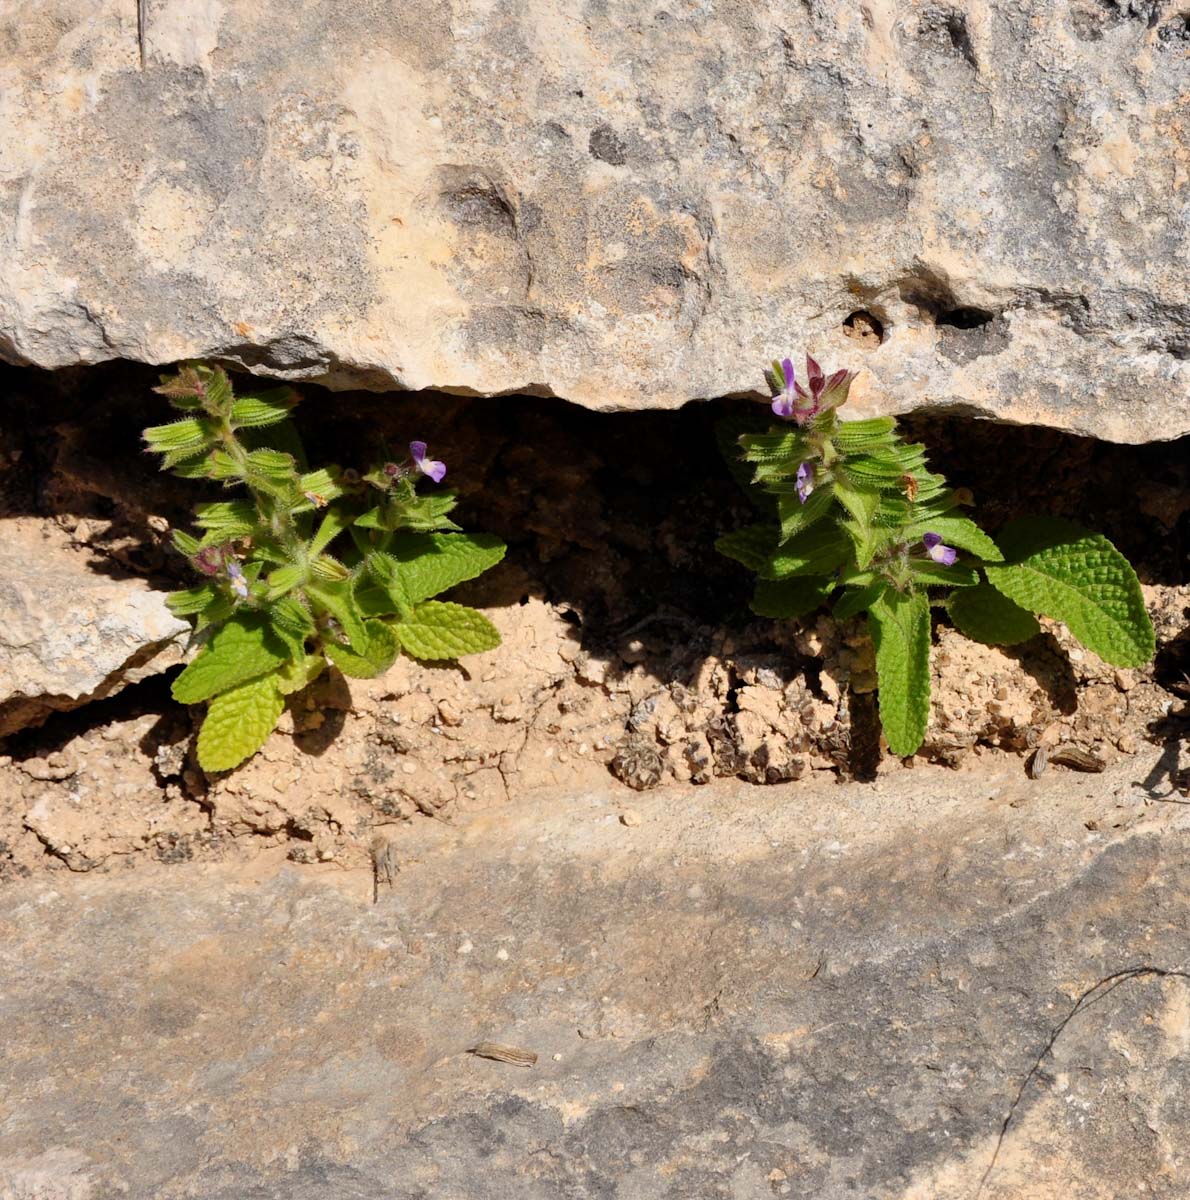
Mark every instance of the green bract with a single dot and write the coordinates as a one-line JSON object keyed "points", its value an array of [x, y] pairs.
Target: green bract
{"points": [[856, 514], [309, 568]]}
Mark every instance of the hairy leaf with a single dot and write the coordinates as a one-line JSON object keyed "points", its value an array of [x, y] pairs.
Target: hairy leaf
{"points": [[787, 598], [957, 531], [900, 627], [238, 722], [753, 545], [796, 516], [431, 563], [440, 630], [1058, 569], [189, 601], [338, 598], [264, 408], [854, 437], [986, 615], [818, 550], [858, 599], [934, 574], [227, 519], [242, 649], [373, 657]]}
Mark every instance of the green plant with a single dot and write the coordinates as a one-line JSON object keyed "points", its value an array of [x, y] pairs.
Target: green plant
{"points": [[276, 605], [855, 514]]}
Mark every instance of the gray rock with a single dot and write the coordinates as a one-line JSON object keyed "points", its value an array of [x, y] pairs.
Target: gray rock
{"points": [[627, 205], [71, 634], [936, 986]]}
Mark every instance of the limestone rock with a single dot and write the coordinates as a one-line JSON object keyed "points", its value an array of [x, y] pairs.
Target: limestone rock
{"points": [[70, 633], [627, 205], [917, 990]]}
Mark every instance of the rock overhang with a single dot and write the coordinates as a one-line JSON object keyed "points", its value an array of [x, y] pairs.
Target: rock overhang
{"points": [[628, 208]]}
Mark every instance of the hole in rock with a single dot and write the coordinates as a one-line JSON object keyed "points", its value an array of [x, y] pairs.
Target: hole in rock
{"points": [[865, 328], [964, 318], [622, 625]]}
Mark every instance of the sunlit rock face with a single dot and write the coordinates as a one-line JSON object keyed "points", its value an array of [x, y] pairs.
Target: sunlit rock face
{"points": [[626, 204]]}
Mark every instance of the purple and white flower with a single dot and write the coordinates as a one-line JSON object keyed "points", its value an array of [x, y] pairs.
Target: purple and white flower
{"points": [[805, 481], [797, 403], [427, 466], [239, 584], [937, 551]]}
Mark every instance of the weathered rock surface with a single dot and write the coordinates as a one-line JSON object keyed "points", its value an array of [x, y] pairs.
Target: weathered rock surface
{"points": [[69, 633], [730, 993], [625, 204]]}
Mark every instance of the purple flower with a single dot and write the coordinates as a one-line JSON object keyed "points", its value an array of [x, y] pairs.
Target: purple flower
{"points": [[427, 466], [799, 403], [239, 584], [805, 481], [785, 405], [937, 551]]}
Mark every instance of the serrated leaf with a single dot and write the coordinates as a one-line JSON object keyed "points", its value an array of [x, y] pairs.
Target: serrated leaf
{"points": [[986, 615], [857, 600], [441, 630], [1058, 569], [428, 514], [957, 531], [244, 648], [227, 519], [373, 657], [819, 550], [728, 432], [291, 616], [432, 563], [753, 545], [322, 485], [264, 408], [185, 544], [782, 446], [860, 501], [337, 597], [238, 722], [934, 574], [299, 673], [284, 579], [221, 608], [900, 626], [191, 434], [789, 598], [189, 601], [796, 516], [852, 437]]}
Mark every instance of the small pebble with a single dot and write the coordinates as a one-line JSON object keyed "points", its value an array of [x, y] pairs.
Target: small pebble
{"points": [[630, 817]]}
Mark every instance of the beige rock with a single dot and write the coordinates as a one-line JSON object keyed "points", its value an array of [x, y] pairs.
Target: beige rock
{"points": [[630, 207], [69, 633]]}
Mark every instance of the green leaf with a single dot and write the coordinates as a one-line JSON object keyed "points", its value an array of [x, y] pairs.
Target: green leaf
{"points": [[372, 658], [284, 579], [852, 437], [818, 550], [986, 615], [291, 617], [428, 513], [333, 523], [338, 598], [440, 630], [957, 531], [321, 484], [238, 722], [753, 545], [227, 519], [934, 574], [189, 601], [796, 516], [180, 440], [857, 600], [728, 432], [860, 501], [1058, 569], [787, 598], [242, 649], [299, 673], [265, 408], [900, 627], [431, 563]]}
